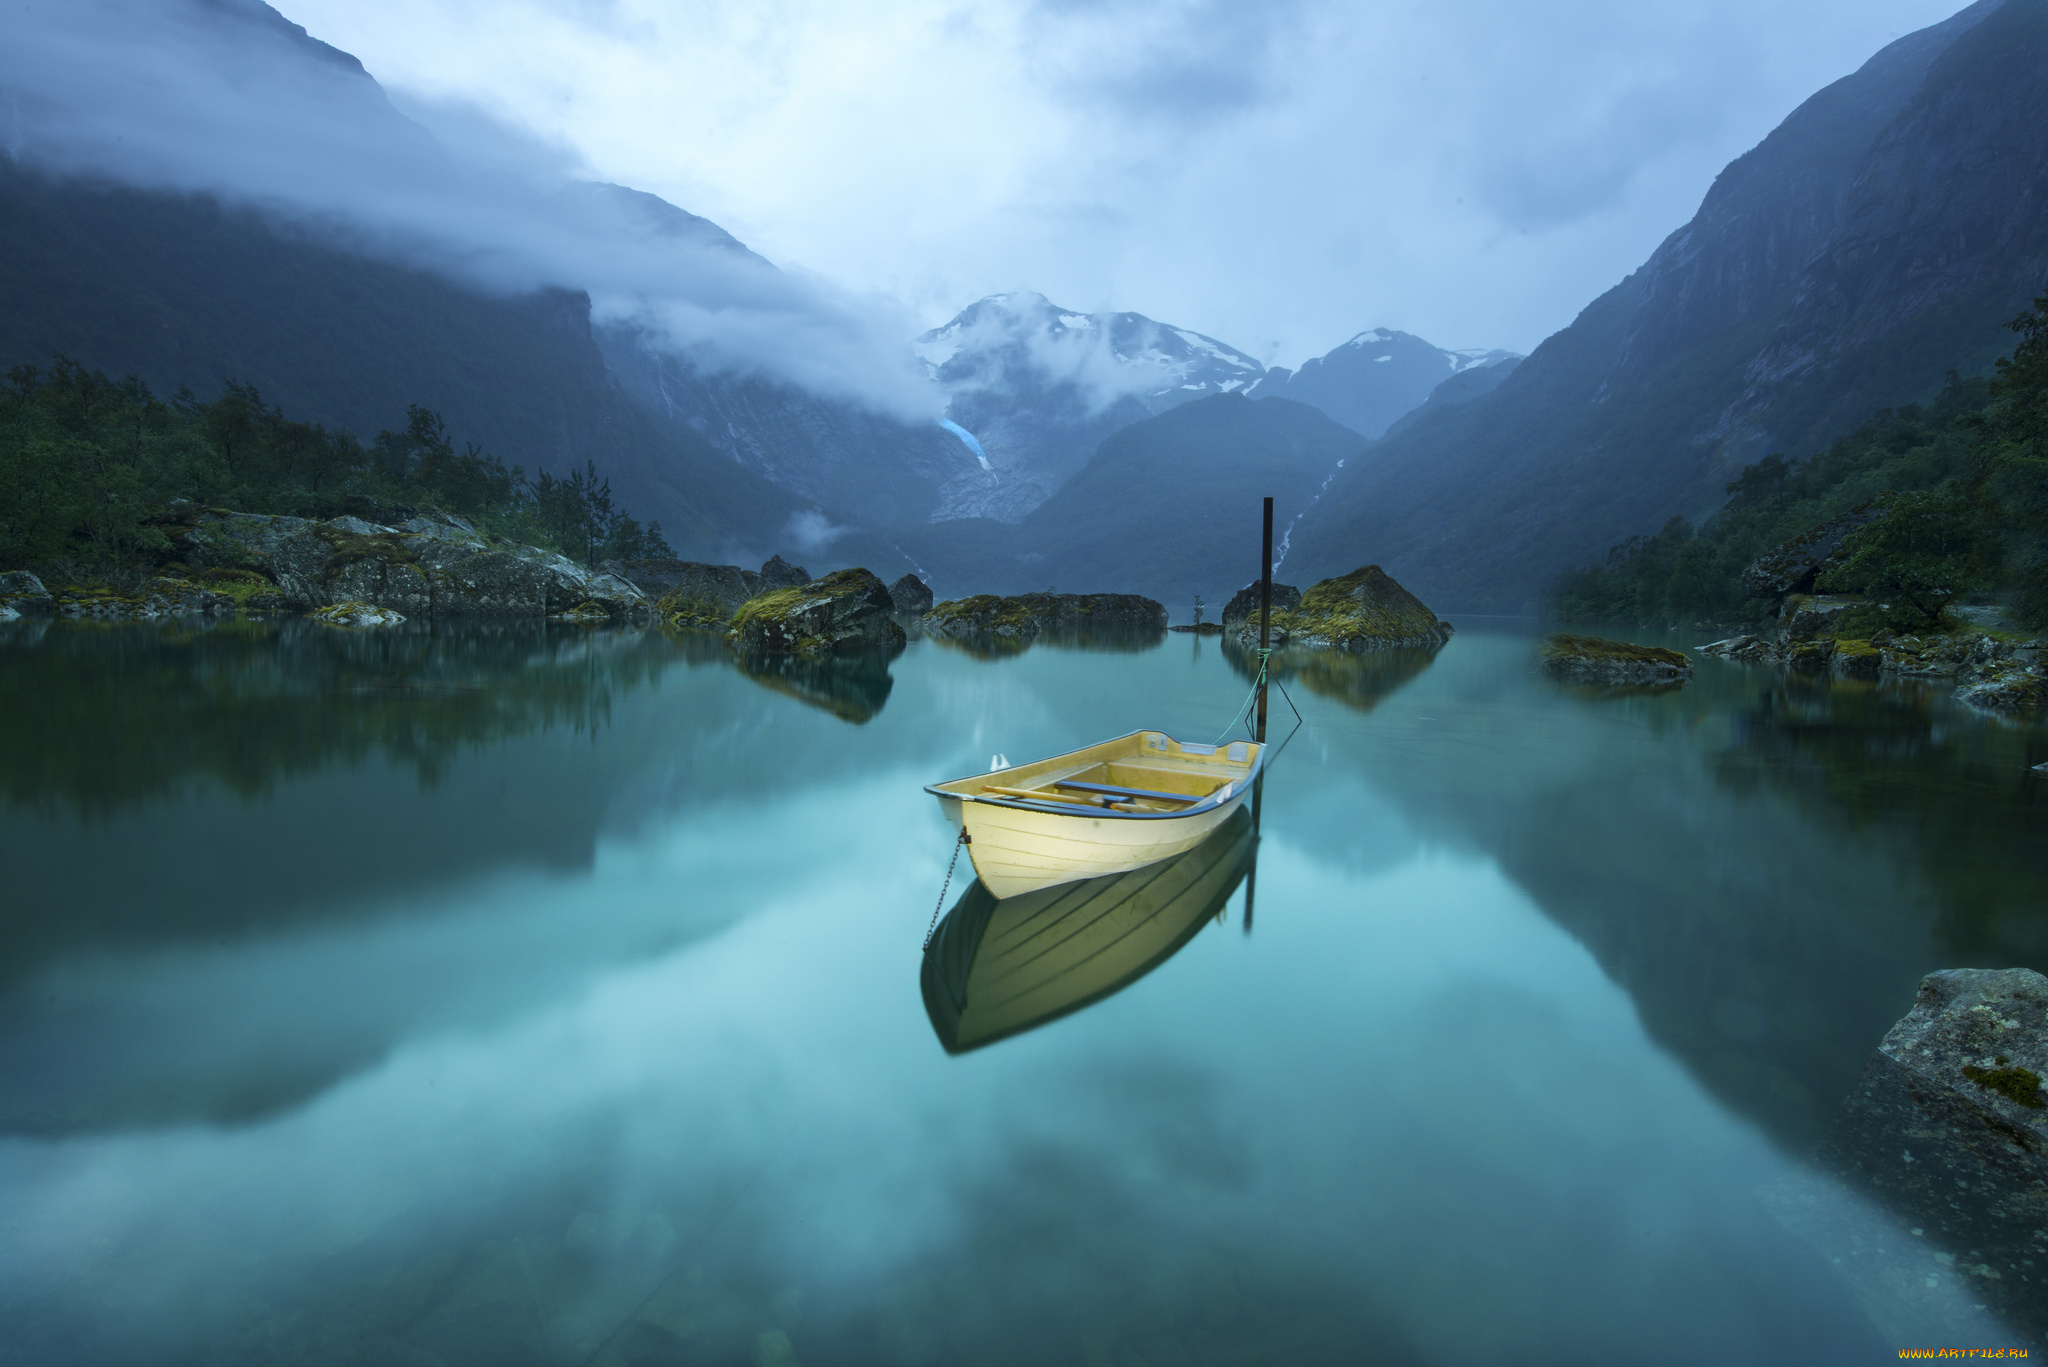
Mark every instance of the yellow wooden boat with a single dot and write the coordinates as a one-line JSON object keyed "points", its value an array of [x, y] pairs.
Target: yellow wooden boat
{"points": [[1109, 808], [995, 968]]}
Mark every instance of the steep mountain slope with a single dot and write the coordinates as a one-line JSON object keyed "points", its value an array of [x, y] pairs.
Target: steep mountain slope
{"points": [[1462, 387], [1877, 238], [1167, 507], [186, 293], [1374, 378]]}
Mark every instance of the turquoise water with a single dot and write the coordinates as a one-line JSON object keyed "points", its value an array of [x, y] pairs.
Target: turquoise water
{"points": [[552, 997]]}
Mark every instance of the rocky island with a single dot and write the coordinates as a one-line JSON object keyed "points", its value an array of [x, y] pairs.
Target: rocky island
{"points": [[1597, 660], [847, 610], [1033, 614], [1363, 610]]}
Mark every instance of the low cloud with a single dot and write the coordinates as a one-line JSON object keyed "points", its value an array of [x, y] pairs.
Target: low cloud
{"points": [[225, 97], [812, 532]]}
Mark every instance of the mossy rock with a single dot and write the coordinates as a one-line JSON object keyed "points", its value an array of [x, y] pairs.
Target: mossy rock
{"points": [[688, 612], [1596, 659], [1363, 610], [847, 610]]}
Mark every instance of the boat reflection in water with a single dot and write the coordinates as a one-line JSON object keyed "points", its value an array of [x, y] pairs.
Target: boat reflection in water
{"points": [[996, 968]]}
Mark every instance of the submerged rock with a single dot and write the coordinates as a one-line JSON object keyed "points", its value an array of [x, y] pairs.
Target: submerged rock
{"points": [[1363, 610], [1033, 614], [1949, 1128], [911, 594], [1597, 660], [1792, 566], [847, 610]]}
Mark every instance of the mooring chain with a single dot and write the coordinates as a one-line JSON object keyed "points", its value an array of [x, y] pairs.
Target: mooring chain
{"points": [[954, 863]]}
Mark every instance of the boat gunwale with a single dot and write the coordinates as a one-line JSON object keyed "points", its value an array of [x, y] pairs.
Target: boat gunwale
{"points": [[1206, 806]]}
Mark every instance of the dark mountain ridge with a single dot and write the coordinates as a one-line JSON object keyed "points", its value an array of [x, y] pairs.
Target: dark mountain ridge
{"points": [[1876, 239], [1167, 507], [188, 293]]}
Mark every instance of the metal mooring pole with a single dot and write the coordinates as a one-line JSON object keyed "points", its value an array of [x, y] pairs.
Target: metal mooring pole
{"points": [[1265, 615]]}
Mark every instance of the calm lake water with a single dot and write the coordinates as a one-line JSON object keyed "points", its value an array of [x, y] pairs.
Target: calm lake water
{"points": [[552, 997]]}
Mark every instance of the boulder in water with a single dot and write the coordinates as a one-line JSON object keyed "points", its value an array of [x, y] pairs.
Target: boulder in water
{"points": [[1597, 660], [1244, 605], [1949, 1128], [1362, 610], [847, 610]]}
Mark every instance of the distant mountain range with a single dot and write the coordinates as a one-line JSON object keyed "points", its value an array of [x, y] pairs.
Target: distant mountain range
{"points": [[1878, 238], [1377, 377]]}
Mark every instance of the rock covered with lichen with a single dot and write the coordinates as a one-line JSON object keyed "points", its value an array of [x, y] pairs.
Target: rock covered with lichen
{"points": [[1243, 607], [1990, 672], [1029, 615], [1948, 1127], [430, 564], [161, 599], [1597, 660], [23, 595], [847, 610], [1363, 610]]}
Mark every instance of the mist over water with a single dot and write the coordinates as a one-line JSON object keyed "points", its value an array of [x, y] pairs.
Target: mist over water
{"points": [[597, 1036]]}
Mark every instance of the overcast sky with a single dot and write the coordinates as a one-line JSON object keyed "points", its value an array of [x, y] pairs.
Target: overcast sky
{"points": [[1279, 174]]}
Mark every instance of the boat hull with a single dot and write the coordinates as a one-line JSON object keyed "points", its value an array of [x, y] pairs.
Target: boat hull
{"points": [[1016, 851], [1104, 809]]}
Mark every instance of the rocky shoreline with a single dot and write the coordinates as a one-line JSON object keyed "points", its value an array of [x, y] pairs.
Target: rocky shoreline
{"points": [[1989, 671]]}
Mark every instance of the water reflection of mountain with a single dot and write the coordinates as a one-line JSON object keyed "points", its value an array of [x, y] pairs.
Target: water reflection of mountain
{"points": [[997, 968], [96, 719], [1769, 868], [177, 785]]}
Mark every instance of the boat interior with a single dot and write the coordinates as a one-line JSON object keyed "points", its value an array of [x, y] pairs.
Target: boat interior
{"points": [[1147, 773]]}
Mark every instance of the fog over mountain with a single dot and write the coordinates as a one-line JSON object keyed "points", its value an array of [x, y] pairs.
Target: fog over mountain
{"points": [[230, 98]]}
